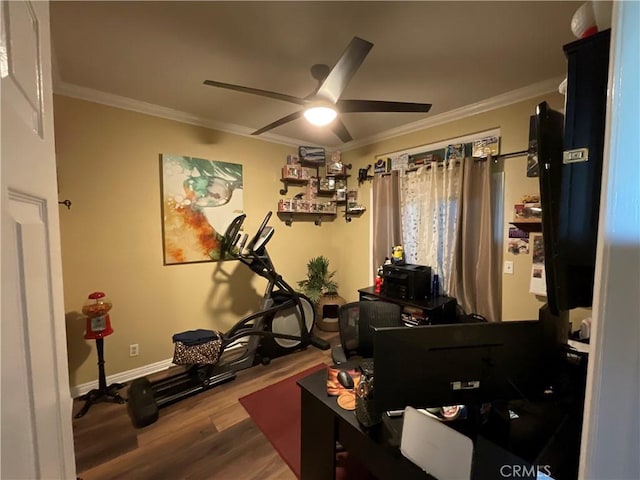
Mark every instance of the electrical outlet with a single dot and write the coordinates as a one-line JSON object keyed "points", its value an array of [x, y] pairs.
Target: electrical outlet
{"points": [[133, 350], [508, 267]]}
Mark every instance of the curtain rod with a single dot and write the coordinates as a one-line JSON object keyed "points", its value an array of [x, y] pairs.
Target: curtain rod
{"points": [[521, 153], [513, 154], [478, 159]]}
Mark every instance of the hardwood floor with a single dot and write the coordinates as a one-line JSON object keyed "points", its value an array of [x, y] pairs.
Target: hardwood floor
{"points": [[207, 436]]}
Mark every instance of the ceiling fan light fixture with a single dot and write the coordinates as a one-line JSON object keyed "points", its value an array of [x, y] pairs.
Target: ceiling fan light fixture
{"points": [[320, 115]]}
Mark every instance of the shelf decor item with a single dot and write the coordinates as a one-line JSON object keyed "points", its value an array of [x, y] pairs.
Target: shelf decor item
{"points": [[312, 155], [335, 165]]}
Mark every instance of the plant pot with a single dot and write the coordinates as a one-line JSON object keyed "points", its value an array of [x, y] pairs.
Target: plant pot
{"points": [[327, 311]]}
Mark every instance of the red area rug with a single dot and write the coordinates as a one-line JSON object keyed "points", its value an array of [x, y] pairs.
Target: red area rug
{"points": [[276, 411]]}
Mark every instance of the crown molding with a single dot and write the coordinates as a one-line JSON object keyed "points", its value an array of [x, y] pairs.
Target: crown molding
{"points": [[502, 100], [112, 100]]}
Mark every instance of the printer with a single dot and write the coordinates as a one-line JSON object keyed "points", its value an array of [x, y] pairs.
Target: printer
{"points": [[408, 281]]}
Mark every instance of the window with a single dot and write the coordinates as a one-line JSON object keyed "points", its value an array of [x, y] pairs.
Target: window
{"points": [[448, 215], [429, 203]]}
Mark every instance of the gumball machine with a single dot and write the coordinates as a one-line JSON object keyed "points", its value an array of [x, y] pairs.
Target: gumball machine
{"points": [[96, 308], [98, 325]]}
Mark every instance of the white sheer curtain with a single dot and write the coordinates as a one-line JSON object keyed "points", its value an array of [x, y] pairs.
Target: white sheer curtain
{"points": [[429, 204]]}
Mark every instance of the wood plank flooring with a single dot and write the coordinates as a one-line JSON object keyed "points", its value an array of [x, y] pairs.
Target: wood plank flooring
{"points": [[207, 436]]}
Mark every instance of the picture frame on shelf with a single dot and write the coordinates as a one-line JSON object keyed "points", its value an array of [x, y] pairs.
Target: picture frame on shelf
{"points": [[312, 155]]}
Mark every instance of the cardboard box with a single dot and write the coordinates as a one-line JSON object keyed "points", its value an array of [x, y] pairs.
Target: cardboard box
{"points": [[527, 211], [303, 206], [286, 205], [291, 171], [312, 188], [305, 173]]}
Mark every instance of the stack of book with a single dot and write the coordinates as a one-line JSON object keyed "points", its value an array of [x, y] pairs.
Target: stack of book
{"points": [[412, 317]]}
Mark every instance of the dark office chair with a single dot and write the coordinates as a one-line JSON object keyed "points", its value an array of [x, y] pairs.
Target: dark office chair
{"points": [[354, 324], [463, 317]]}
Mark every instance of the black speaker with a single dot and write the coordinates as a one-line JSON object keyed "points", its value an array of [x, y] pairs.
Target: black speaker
{"points": [[141, 403]]}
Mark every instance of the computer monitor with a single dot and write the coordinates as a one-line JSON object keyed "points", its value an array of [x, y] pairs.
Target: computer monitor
{"points": [[570, 198], [458, 364]]}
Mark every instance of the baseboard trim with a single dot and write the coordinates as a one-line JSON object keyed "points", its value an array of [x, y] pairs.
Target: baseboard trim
{"points": [[123, 377]]}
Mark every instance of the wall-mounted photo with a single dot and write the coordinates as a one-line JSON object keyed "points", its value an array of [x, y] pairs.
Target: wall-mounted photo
{"points": [[199, 199], [538, 282], [518, 242], [312, 155]]}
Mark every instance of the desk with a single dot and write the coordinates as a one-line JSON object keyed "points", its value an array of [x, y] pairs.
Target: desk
{"points": [[324, 423], [437, 309]]}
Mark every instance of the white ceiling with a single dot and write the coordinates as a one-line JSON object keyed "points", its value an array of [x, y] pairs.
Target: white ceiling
{"points": [[450, 54]]}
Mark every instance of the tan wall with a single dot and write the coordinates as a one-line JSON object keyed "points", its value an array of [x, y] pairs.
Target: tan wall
{"points": [[108, 166], [513, 121]]}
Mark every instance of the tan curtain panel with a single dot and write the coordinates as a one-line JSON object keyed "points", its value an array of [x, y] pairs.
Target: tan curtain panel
{"points": [[387, 224], [476, 283]]}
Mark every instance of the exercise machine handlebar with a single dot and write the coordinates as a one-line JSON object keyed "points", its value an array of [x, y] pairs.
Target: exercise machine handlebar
{"points": [[261, 228], [232, 235]]}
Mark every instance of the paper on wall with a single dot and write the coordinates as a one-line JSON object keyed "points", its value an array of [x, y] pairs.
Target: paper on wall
{"points": [[538, 283]]}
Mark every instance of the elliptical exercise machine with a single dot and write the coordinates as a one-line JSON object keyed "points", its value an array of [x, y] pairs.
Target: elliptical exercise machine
{"points": [[282, 325]]}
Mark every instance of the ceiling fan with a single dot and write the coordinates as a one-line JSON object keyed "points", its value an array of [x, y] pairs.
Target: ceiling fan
{"points": [[322, 106]]}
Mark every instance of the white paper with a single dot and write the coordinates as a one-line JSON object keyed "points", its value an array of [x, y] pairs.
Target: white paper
{"points": [[579, 346], [538, 285]]}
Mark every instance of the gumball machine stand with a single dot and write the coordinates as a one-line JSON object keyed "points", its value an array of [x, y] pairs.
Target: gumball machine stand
{"points": [[98, 326]]}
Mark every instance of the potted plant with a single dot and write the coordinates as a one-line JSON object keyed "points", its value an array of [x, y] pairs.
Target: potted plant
{"points": [[319, 279], [322, 290]]}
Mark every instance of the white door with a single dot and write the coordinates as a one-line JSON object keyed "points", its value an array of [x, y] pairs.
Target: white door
{"points": [[37, 438]]}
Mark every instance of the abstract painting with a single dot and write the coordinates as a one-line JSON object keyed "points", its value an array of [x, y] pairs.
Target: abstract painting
{"points": [[200, 198]]}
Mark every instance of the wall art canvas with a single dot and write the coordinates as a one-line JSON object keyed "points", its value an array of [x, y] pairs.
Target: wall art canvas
{"points": [[200, 198]]}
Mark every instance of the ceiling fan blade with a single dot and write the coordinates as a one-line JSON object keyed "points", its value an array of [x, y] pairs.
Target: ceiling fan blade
{"points": [[370, 106], [256, 91], [341, 131], [345, 68], [277, 123]]}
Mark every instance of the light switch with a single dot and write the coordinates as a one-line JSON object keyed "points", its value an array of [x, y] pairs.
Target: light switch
{"points": [[508, 267]]}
